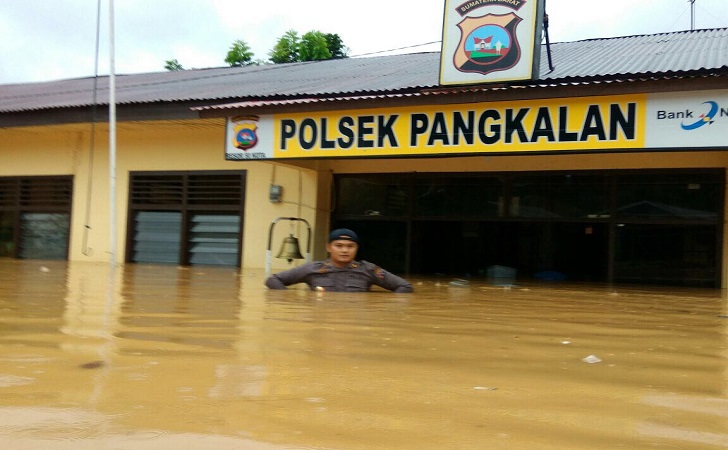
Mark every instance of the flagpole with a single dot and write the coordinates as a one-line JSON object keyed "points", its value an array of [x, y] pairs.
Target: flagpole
{"points": [[112, 140]]}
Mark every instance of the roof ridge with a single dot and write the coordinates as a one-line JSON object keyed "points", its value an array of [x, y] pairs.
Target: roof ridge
{"points": [[662, 33]]}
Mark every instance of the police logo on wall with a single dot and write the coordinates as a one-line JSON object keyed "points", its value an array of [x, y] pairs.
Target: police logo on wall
{"points": [[490, 40], [488, 43], [245, 131], [248, 137]]}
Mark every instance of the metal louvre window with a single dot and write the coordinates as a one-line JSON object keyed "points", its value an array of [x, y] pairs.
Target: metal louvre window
{"points": [[157, 237], [187, 218], [35, 217], [214, 239]]}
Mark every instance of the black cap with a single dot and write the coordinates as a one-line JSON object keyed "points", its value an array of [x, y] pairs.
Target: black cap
{"points": [[343, 234]]}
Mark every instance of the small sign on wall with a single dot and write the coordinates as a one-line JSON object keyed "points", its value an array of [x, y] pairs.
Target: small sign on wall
{"points": [[487, 41]]}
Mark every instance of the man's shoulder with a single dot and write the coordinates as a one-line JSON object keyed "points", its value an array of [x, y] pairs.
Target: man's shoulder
{"points": [[316, 266], [305, 267], [367, 265], [372, 268]]}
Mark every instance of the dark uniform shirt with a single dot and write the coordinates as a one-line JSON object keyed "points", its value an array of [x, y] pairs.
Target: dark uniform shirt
{"points": [[324, 276]]}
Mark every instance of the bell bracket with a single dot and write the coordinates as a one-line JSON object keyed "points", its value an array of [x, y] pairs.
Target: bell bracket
{"points": [[269, 254]]}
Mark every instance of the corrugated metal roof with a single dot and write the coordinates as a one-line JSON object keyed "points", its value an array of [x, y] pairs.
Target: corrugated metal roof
{"points": [[594, 59], [646, 54]]}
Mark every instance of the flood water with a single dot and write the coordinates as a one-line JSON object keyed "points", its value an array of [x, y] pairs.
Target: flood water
{"points": [[155, 357]]}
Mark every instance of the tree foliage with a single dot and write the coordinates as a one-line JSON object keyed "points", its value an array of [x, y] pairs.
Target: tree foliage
{"points": [[313, 47], [336, 46], [240, 54], [286, 48], [173, 65]]}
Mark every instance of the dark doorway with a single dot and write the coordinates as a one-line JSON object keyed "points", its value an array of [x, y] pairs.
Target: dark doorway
{"points": [[567, 251], [644, 256], [630, 226]]}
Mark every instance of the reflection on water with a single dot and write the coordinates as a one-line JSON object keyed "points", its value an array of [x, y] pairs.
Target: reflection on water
{"points": [[151, 357]]}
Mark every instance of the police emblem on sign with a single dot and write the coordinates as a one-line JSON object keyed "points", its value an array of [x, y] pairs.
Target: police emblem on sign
{"points": [[246, 135], [486, 41], [488, 44]]}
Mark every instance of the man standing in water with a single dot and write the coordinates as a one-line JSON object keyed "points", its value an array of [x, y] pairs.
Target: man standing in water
{"points": [[341, 272]]}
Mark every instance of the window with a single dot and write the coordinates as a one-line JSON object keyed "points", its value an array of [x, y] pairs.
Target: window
{"points": [[187, 218], [157, 237], [455, 196], [379, 196], [214, 239], [35, 217], [569, 195], [43, 236], [677, 196]]}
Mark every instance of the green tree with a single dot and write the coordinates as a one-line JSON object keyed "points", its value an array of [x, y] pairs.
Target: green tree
{"points": [[286, 48], [240, 54], [313, 47], [336, 46], [173, 65]]}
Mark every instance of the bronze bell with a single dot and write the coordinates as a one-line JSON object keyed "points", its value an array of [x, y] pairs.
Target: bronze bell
{"points": [[289, 249]]}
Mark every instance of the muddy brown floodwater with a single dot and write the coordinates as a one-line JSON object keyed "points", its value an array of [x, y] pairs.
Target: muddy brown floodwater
{"points": [[150, 357]]}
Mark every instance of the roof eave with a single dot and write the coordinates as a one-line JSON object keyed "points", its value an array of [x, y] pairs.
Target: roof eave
{"points": [[323, 101]]}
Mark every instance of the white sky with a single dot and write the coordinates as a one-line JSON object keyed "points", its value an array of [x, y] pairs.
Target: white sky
{"points": [[43, 40]]}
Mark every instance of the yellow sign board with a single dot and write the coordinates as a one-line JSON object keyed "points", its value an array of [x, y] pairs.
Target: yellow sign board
{"points": [[516, 126], [685, 120]]}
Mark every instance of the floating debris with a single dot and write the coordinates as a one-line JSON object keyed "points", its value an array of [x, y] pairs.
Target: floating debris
{"points": [[459, 282], [92, 365], [592, 359], [485, 388]]}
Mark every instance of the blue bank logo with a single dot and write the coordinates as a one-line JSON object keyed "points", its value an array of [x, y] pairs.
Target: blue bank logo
{"points": [[705, 118]]}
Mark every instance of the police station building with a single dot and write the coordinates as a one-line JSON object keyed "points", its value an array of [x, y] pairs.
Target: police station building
{"points": [[609, 166]]}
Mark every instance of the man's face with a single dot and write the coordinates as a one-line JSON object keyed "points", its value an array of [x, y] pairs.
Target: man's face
{"points": [[342, 251]]}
